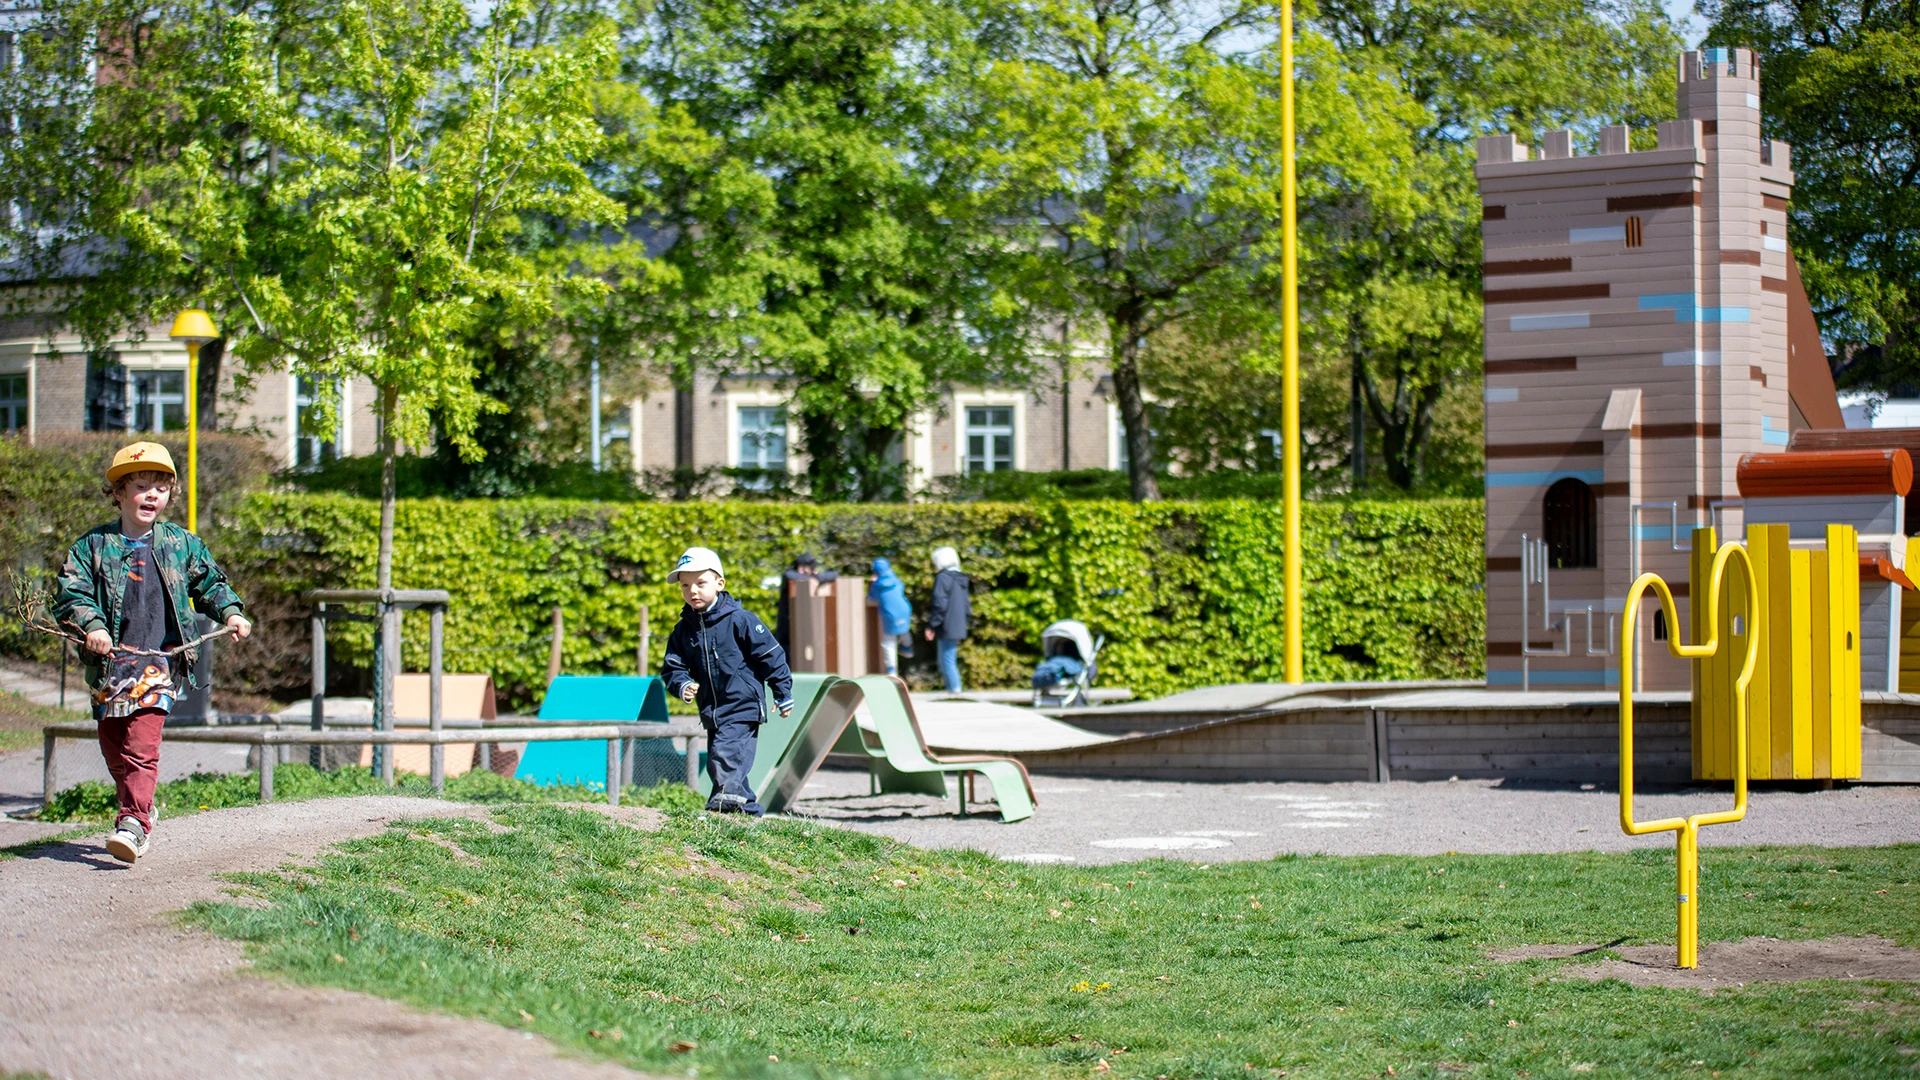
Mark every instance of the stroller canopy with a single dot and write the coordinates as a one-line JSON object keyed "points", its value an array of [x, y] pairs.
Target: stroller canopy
{"points": [[1067, 636]]}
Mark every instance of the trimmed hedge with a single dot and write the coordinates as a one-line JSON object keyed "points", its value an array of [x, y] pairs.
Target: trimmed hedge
{"points": [[1188, 594]]}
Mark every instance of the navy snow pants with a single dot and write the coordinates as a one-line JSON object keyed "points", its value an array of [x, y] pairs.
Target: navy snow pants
{"points": [[730, 748]]}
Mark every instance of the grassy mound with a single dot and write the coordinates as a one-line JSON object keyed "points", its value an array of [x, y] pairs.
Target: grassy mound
{"points": [[786, 949]]}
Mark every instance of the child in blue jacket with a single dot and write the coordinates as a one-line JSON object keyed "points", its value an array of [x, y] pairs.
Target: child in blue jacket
{"points": [[720, 655], [896, 615]]}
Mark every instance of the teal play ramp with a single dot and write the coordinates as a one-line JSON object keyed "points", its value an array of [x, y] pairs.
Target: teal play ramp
{"points": [[618, 698]]}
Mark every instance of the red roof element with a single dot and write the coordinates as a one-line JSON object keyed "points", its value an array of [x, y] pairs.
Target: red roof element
{"points": [[1826, 472]]}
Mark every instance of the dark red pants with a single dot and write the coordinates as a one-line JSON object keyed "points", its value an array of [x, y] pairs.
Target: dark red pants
{"points": [[131, 745]]}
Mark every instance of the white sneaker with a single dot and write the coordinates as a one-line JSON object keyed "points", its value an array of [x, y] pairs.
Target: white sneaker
{"points": [[128, 842]]}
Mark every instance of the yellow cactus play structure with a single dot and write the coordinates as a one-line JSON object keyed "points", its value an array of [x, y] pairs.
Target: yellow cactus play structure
{"points": [[1729, 635], [1804, 699]]}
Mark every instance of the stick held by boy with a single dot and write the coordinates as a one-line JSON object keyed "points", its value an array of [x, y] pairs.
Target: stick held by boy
{"points": [[720, 656]]}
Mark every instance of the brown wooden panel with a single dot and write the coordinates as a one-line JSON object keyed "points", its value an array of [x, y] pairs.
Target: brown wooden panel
{"points": [[1531, 366], [1773, 284], [1677, 431], [1826, 472], [1493, 213], [1709, 127], [1744, 258], [1503, 564], [1547, 292], [1612, 489], [1503, 648], [1624, 203], [1754, 373], [1527, 266], [1591, 448], [1773, 202]]}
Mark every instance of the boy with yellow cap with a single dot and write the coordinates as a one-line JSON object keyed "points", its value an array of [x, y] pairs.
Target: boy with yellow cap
{"points": [[129, 588]]}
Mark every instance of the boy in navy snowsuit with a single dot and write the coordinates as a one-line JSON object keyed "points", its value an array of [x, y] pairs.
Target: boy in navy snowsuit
{"points": [[720, 655]]}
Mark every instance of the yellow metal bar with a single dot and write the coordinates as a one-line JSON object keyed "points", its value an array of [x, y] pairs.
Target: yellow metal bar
{"points": [[1294, 660], [193, 436], [1686, 853]]}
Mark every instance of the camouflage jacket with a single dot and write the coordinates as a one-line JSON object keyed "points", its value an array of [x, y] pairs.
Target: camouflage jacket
{"points": [[94, 579]]}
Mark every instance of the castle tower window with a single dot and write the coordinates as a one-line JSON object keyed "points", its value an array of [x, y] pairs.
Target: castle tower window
{"points": [[1636, 232], [1570, 525]]}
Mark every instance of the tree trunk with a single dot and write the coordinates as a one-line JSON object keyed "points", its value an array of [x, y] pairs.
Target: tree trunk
{"points": [[1142, 484], [1404, 425], [207, 393], [1357, 422], [388, 400]]}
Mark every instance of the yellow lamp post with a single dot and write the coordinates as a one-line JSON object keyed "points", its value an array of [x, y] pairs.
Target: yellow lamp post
{"points": [[1290, 363], [193, 329]]}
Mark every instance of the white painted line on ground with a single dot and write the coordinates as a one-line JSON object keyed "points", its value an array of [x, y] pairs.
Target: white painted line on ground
{"points": [[1318, 824], [1162, 843], [1318, 813], [1216, 832]]}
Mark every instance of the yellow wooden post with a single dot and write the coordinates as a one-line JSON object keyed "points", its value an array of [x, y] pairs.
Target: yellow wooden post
{"points": [[1820, 633], [1843, 725], [1765, 553], [1793, 743], [1707, 690]]}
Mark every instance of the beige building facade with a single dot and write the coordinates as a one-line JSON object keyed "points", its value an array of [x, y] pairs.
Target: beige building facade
{"points": [[50, 385]]}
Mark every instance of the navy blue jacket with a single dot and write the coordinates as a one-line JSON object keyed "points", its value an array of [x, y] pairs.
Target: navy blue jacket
{"points": [[952, 606], [730, 653]]}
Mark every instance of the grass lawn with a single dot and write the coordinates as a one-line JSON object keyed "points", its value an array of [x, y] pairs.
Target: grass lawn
{"points": [[21, 720], [718, 946]]}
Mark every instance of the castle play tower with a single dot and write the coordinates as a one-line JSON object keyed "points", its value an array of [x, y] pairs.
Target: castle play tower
{"points": [[1638, 342]]}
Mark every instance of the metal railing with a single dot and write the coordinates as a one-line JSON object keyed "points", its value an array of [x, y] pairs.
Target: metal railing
{"points": [[514, 731], [1535, 567]]}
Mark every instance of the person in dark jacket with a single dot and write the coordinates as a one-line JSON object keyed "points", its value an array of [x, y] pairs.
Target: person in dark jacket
{"points": [[947, 617], [805, 568], [720, 656]]}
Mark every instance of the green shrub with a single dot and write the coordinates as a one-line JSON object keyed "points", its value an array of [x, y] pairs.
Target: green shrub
{"points": [[1187, 593]]}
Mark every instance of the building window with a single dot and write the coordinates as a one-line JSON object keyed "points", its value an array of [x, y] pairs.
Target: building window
{"points": [[763, 444], [310, 448], [106, 393], [159, 401], [1636, 232], [989, 438], [13, 402], [1570, 525]]}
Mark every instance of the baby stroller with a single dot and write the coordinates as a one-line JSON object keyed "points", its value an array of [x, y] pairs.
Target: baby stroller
{"points": [[1068, 666]]}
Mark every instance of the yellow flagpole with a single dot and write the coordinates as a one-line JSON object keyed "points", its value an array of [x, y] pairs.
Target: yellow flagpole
{"points": [[1290, 359]]}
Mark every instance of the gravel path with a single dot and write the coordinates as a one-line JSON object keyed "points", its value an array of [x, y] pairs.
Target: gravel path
{"points": [[96, 980], [1103, 821]]}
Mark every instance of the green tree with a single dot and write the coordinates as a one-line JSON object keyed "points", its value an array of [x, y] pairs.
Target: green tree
{"points": [[409, 138], [1393, 277], [1135, 145], [118, 162], [825, 237], [1841, 84]]}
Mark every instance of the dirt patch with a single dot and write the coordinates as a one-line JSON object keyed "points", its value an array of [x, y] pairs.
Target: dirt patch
{"points": [[644, 818], [83, 928], [1733, 963]]}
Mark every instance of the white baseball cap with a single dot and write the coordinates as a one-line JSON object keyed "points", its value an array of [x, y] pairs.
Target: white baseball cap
{"points": [[693, 562]]}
